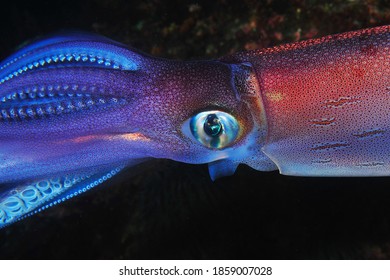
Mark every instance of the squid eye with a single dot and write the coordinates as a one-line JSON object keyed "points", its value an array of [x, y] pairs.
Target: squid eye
{"points": [[214, 129]]}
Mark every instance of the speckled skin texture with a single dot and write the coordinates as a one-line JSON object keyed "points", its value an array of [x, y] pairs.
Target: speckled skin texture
{"points": [[327, 103], [132, 106], [89, 105]]}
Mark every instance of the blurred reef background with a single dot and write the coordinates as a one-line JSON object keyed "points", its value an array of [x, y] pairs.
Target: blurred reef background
{"points": [[168, 210]]}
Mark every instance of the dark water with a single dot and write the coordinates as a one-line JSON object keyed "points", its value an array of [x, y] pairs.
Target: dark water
{"points": [[164, 209]]}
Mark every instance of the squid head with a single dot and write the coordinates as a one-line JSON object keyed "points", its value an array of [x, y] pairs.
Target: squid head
{"points": [[201, 112]]}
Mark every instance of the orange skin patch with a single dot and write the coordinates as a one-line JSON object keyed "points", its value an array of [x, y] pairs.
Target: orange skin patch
{"points": [[369, 133], [341, 101], [126, 136], [323, 122]]}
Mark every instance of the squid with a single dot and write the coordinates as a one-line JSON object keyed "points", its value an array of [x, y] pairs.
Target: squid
{"points": [[77, 108]]}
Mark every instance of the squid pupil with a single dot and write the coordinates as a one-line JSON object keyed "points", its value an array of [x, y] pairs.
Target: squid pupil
{"points": [[212, 125]]}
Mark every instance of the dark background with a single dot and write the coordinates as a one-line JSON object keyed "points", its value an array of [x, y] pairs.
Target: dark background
{"points": [[164, 209]]}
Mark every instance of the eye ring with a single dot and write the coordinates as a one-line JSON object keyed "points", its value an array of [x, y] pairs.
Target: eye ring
{"points": [[213, 129]]}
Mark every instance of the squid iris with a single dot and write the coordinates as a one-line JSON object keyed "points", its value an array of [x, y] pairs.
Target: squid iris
{"points": [[213, 129]]}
